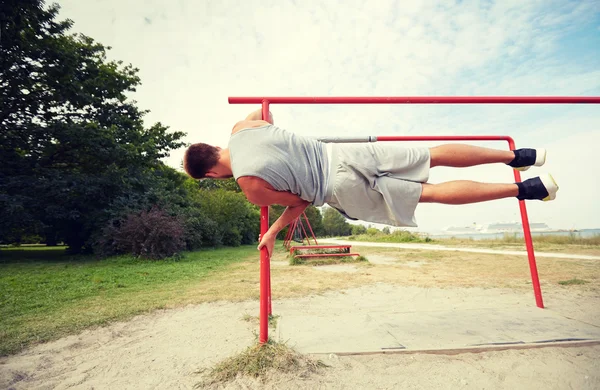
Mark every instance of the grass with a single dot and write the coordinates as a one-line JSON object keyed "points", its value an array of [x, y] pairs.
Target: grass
{"points": [[573, 281], [572, 243], [549, 242], [273, 319], [258, 362], [45, 294], [325, 260], [398, 236]]}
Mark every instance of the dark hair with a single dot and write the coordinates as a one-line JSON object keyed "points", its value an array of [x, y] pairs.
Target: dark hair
{"points": [[199, 159]]}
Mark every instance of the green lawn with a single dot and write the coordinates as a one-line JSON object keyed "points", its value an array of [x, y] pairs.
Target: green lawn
{"points": [[45, 293]]}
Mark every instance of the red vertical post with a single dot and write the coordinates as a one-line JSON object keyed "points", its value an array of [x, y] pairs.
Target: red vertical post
{"points": [[265, 266], [537, 290]]}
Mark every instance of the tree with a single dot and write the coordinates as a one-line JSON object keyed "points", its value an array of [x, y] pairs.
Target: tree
{"points": [[358, 229], [71, 143], [335, 224], [212, 184]]}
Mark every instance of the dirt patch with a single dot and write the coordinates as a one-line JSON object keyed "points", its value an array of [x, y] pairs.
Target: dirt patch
{"points": [[169, 348], [337, 268], [166, 349]]}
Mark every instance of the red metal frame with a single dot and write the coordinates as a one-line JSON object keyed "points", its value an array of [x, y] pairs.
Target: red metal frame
{"points": [[418, 100], [290, 234], [265, 262], [265, 274], [293, 226], [311, 231], [293, 248]]}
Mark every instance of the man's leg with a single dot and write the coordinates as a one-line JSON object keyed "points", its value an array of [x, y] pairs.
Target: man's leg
{"points": [[466, 191], [460, 155]]}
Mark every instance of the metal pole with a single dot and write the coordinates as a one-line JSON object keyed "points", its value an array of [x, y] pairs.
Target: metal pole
{"points": [[265, 274], [347, 139], [535, 281], [418, 100], [304, 231], [537, 290], [310, 227]]}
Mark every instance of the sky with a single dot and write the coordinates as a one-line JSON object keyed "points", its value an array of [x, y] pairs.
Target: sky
{"points": [[193, 55]]}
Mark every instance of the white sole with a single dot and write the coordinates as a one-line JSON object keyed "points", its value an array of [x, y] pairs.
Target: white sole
{"points": [[550, 185], [540, 159]]}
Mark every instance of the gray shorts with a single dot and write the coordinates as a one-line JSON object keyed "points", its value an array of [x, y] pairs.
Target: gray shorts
{"points": [[378, 182]]}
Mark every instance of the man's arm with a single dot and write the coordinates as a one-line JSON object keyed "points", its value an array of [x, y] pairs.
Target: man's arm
{"points": [[257, 116], [260, 193], [289, 215]]}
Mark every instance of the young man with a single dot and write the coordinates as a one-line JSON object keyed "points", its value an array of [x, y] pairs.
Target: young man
{"points": [[373, 182]]}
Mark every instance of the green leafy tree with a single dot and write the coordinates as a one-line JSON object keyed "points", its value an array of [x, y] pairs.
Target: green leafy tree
{"points": [[237, 221], [71, 144], [213, 184], [335, 224], [358, 229]]}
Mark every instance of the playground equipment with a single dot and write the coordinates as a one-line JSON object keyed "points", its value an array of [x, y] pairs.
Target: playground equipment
{"points": [[297, 232], [265, 271]]}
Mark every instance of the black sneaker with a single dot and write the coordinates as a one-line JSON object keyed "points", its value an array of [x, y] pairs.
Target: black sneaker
{"points": [[526, 158], [538, 188]]}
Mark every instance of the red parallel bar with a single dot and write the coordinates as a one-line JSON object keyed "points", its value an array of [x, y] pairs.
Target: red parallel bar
{"points": [[265, 272], [537, 290], [418, 100], [444, 138]]}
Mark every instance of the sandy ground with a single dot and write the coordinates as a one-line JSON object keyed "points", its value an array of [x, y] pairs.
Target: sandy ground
{"points": [[169, 348], [166, 350], [433, 247]]}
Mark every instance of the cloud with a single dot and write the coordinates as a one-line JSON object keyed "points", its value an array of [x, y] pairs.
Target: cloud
{"points": [[196, 54]]}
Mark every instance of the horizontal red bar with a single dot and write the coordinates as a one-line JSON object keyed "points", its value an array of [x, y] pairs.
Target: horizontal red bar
{"points": [[444, 138], [418, 100], [327, 255], [320, 247]]}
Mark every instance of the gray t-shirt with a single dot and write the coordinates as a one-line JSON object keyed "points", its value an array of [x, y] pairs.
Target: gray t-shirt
{"points": [[287, 161]]}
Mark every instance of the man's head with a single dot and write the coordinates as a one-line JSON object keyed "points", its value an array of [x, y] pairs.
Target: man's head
{"points": [[203, 160]]}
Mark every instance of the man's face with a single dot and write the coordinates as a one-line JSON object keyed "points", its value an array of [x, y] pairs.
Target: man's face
{"points": [[217, 173]]}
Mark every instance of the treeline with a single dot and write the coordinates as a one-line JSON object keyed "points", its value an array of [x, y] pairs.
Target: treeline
{"points": [[78, 165]]}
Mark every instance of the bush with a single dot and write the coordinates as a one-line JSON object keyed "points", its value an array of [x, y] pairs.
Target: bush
{"points": [[238, 220], [373, 231], [358, 229], [152, 234], [199, 230]]}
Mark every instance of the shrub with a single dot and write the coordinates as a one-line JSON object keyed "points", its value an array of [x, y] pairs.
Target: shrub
{"points": [[199, 230], [372, 231], [358, 229], [152, 234]]}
